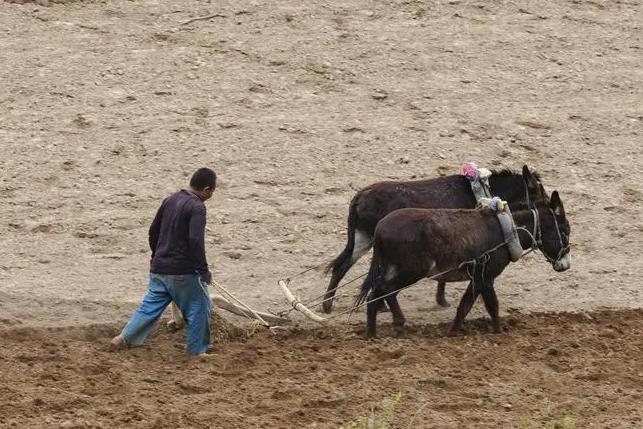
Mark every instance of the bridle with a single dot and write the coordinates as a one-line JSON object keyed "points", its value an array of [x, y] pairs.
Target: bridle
{"points": [[537, 237], [563, 249]]}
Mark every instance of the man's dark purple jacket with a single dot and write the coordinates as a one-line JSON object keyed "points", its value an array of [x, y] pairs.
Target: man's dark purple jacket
{"points": [[177, 236]]}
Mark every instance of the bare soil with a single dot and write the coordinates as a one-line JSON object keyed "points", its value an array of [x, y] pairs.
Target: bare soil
{"points": [[545, 368], [108, 106]]}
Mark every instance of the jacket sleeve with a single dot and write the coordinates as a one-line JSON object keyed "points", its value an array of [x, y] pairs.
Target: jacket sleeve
{"points": [[155, 229], [197, 239]]}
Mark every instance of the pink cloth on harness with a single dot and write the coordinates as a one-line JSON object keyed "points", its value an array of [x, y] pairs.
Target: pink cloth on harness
{"points": [[470, 171]]}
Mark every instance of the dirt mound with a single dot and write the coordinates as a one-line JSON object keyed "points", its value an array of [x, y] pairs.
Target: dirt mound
{"points": [[221, 331], [546, 367]]}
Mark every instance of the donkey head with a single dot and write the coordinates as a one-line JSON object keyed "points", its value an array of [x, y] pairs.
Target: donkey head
{"points": [[554, 233]]}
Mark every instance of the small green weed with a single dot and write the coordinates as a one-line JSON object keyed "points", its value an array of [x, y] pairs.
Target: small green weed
{"points": [[380, 420]]}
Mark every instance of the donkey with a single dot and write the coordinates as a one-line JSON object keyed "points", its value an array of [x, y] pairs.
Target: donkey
{"points": [[411, 244], [374, 202]]}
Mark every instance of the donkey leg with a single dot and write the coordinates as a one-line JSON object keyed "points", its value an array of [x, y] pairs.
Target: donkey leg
{"points": [[371, 316], [362, 243], [491, 304], [466, 302], [398, 316], [439, 294]]}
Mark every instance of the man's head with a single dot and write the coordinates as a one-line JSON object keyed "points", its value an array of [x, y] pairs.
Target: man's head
{"points": [[203, 183]]}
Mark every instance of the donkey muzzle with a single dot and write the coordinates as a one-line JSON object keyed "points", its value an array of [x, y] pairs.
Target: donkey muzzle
{"points": [[563, 264]]}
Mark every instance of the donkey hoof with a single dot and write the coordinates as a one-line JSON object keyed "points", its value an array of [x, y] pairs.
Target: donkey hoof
{"points": [[444, 303], [452, 333], [398, 332], [327, 307]]}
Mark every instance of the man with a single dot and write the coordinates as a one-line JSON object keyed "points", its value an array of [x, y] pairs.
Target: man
{"points": [[179, 269]]}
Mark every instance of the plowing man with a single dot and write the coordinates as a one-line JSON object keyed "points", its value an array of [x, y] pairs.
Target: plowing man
{"points": [[179, 269]]}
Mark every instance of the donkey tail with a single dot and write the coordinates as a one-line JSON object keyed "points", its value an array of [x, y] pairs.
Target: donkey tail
{"points": [[371, 279], [345, 257]]}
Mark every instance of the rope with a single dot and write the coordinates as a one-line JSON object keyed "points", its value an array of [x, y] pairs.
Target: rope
{"points": [[312, 301], [204, 289], [304, 272], [244, 305], [482, 261], [355, 307], [257, 317]]}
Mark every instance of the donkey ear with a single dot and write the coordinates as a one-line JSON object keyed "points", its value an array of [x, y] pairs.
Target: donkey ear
{"points": [[531, 180], [556, 204]]}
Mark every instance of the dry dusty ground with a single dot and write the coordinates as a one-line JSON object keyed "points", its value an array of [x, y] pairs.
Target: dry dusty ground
{"points": [[108, 106]]}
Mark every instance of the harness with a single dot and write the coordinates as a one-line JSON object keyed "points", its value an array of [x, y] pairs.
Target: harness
{"points": [[478, 179], [507, 225], [477, 266], [537, 237]]}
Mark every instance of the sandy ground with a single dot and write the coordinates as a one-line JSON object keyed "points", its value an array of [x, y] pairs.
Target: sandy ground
{"points": [[107, 107]]}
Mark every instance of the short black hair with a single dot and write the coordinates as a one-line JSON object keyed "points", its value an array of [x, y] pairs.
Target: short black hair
{"points": [[203, 178]]}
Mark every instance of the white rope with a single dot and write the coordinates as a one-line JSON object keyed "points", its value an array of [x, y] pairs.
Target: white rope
{"points": [[243, 304]]}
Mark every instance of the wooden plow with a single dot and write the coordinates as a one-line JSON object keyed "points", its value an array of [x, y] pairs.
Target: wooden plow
{"points": [[304, 307], [232, 304], [298, 305], [225, 300]]}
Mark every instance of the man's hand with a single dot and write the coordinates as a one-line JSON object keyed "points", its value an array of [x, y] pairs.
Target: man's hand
{"points": [[206, 277]]}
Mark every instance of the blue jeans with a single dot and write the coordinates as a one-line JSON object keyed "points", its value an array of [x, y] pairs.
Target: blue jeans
{"points": [[192, 298]]}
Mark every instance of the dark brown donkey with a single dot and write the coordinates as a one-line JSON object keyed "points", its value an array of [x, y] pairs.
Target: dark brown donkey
{"points": [[411, 244], [374, 202]]}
